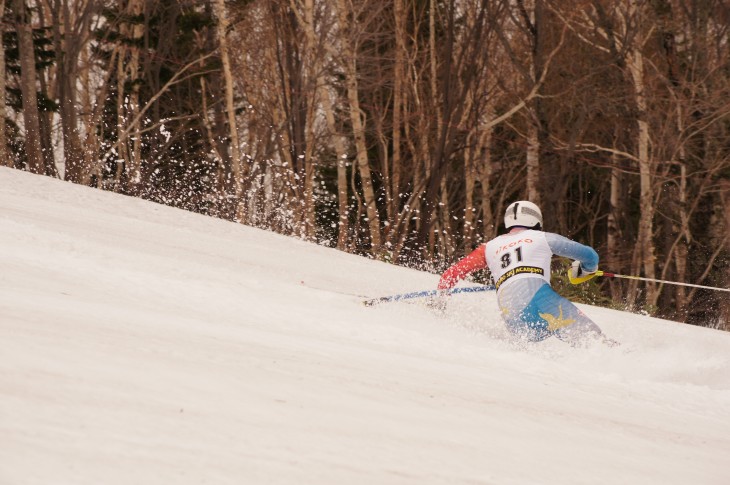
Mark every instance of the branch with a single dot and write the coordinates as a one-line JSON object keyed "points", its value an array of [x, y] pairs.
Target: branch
{"points": [[533, 92], [594, 148], [570, 26], [702, 277], [177, 78]]}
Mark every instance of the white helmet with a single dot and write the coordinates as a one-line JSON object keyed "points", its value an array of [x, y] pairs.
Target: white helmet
{"points": [[524, 214]]}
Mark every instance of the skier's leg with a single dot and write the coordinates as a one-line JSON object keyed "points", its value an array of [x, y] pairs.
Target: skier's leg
{"points": [[570, 324], [533, 311], [565, 320], [519, 312]]}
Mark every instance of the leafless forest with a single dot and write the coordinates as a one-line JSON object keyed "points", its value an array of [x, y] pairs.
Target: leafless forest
{"points": [[398, 129]]}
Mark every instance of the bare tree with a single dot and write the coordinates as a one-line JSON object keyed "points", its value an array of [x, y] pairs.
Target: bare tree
{"points": [[348, 41], [31, 117], [221, 14], [454, 67], [320, 54], [298, 96], [620, 31], [5, 159], [634, 58], [71, 27]]}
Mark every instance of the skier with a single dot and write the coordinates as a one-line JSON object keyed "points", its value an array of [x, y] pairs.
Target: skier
{"points": [[519, 262]]}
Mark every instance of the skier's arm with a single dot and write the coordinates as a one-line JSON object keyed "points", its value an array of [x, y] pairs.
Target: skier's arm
{"points": [[474, 261], [562, 246]]}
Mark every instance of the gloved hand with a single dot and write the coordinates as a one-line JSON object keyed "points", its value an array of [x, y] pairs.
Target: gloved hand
{"points": [[578, 274]]}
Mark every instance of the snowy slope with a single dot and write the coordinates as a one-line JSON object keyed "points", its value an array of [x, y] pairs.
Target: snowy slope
{"points": [[140, 344]]}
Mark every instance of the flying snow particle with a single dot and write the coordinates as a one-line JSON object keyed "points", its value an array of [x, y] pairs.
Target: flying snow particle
{"points": [[165, 133]]}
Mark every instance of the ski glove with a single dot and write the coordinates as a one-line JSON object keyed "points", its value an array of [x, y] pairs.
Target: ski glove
{"points": [[578, 274]]}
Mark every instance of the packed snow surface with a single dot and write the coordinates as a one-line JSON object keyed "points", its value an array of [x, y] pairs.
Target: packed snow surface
{"points": [[140, 344]]}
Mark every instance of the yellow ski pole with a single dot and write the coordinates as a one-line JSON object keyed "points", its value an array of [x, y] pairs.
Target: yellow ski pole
{"points": [[607, 274]]}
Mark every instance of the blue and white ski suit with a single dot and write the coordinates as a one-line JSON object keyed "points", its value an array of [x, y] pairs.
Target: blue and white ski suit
{"points": [[520, 266]]}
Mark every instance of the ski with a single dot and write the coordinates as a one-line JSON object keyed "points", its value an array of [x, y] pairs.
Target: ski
{"points": [[425, 294]]}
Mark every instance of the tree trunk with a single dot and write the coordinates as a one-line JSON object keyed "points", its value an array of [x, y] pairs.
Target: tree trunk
{"points": [[28, 85], [470, 177], [478, 167], [219, 9], [433, 152], [5, 160], [724, 317], [210, 137], [216, 126], [679, 218], [681, 228], [133, 177], [489, 222], [343, 204], [615, 215], [358, 128], [645, 241], [67, 51], [311, 86], [398, 102], [122, 158], [46, 81], [533, 162], [92, 115], [532, 157], [446, 235]]}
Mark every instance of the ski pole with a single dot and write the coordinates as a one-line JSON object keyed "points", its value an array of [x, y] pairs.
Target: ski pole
{"points": [[607, 274], [425, 293]]}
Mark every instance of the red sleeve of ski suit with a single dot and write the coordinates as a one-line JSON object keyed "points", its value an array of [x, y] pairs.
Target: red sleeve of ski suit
{"points": [[474, 261]]}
